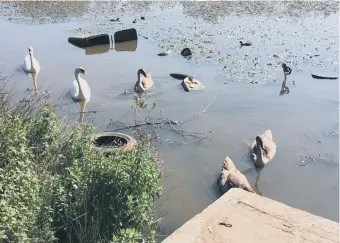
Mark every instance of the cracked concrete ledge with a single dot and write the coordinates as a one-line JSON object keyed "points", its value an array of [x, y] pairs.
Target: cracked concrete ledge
{"points": [[240, 216]]}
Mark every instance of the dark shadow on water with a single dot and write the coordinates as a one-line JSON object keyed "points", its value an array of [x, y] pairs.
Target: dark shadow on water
{"points": [[284, 89], [97, 50], [250, 170], [215, 191], [126, 46], [129, 46], [256, 185]]}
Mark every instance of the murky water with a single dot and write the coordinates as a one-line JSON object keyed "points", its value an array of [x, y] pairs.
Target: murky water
{"points": [[304, 122]]}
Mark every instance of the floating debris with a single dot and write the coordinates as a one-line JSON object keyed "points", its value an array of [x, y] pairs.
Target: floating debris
{"points": [[166, 53], [287, 70], [323, 76], [186, 52], [145, 37], [180, 76], [114, 20], [245, 43], [190, 84], [94, 40]]}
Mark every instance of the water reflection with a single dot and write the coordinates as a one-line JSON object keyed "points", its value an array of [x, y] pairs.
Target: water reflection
{"points": [[256, 185], [126, 46], [258, 171], [284, 88], [129, 46], [82, 105], [97, 50], [34, 79]]}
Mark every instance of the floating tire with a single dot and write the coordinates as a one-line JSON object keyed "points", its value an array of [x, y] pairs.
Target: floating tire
{"points": [[186, 52], [90, 41], [111, 141], [180, 76], [321, 76], [125, 35]]}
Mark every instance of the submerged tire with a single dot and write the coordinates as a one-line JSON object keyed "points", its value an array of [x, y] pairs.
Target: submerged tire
{"points": [[111, 141]]}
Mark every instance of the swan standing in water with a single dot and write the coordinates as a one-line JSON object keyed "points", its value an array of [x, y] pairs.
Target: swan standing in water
{"points": [[80, 91], [31, 65]]}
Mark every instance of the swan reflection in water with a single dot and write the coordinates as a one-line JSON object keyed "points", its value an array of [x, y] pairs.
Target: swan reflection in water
{"points": [[82, 105], [284, 88], [256, 186], [258, 171]]}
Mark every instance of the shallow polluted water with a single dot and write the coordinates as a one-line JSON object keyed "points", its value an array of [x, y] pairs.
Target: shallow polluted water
{"points": [[195, 131]]}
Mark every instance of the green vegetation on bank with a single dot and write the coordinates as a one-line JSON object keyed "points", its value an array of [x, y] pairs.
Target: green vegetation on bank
{"points": [[55, 188]]}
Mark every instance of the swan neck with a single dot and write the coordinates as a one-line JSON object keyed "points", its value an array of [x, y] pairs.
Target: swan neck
{"points": [[81, 93], [32, 64], [138, 74], [259, 151], [139, 81]]}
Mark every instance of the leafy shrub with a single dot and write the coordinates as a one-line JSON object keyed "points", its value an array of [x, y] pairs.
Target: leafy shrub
{"points": [[54, 187], [21, 187]]}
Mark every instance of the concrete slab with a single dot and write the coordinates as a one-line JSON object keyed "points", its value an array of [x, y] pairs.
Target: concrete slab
{"points": [[240, 216]]}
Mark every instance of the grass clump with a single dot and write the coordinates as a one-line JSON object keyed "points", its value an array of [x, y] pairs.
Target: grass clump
{"points": [[55, 188]]}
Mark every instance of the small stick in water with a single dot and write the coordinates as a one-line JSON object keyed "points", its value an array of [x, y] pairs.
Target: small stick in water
{"points": [[245, 44]]}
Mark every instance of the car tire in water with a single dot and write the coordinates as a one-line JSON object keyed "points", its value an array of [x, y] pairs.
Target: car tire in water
{"points": [[111, 141]]}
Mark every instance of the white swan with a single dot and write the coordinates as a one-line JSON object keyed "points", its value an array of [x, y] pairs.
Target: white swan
{"points": [[31, 65], [80, 90]]}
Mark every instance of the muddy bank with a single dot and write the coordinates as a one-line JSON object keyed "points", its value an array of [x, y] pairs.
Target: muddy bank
{"points": [[302, 34], [53, 12]]}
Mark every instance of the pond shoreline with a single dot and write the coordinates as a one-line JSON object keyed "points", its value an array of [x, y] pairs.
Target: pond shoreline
{"points": [[244, 83]]}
